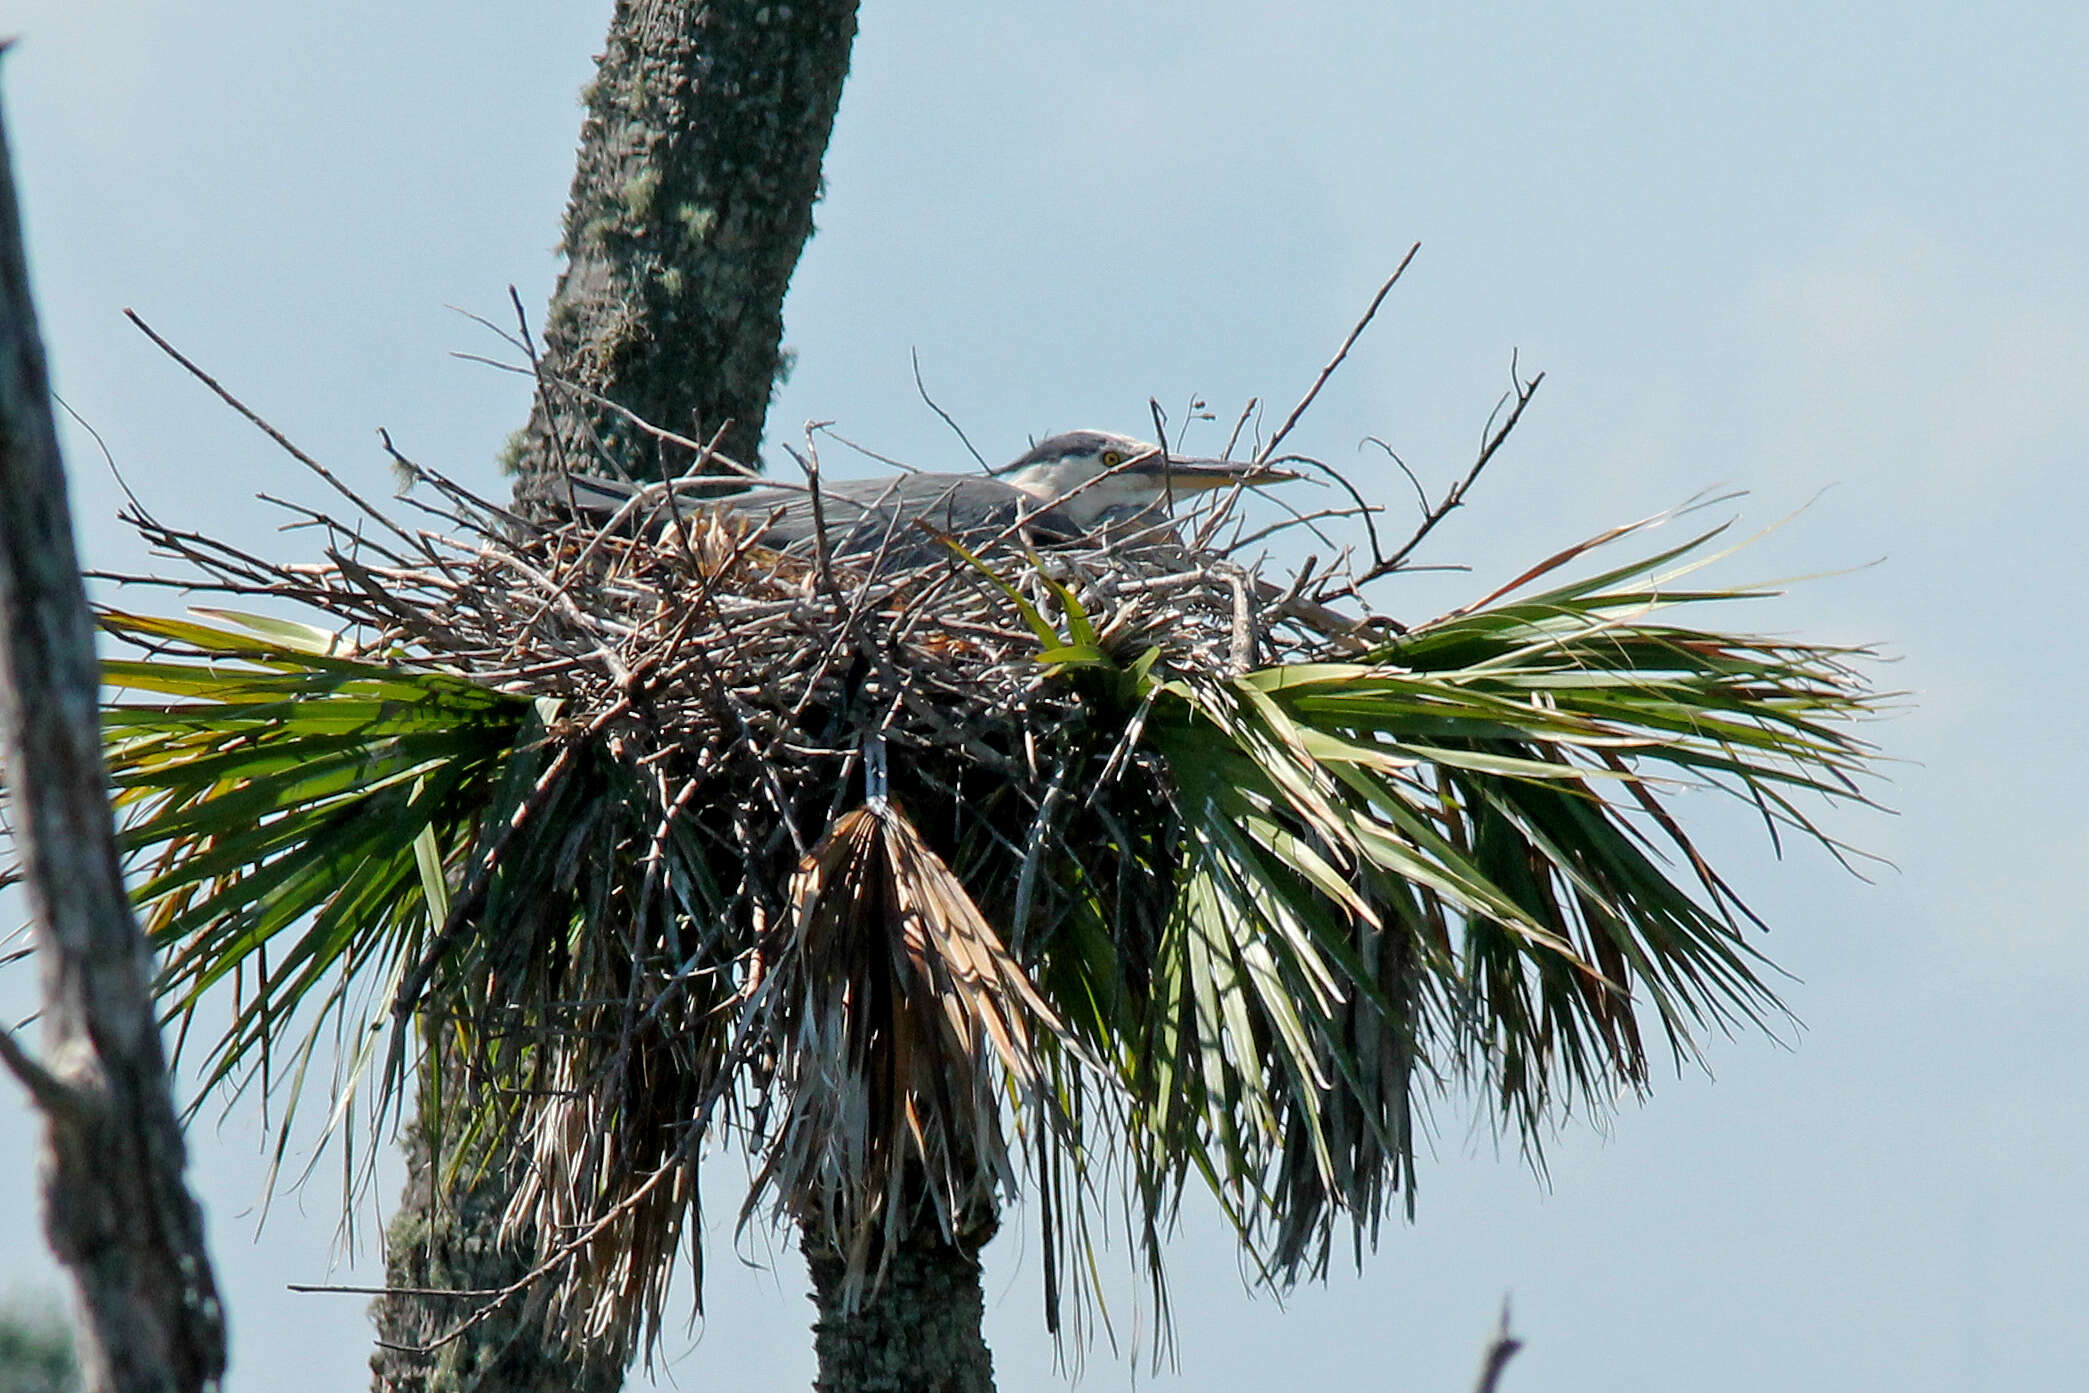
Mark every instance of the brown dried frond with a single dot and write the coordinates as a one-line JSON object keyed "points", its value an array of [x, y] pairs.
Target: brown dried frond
{"points": [[897, 1018]]}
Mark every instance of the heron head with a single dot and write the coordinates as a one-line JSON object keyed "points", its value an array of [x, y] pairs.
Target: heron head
{"points": [[1090, 476]]}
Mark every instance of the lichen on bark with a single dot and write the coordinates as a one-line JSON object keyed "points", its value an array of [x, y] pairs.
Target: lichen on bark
{"points": [[692, 200]]}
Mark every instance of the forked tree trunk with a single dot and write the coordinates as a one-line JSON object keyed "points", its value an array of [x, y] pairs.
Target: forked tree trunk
{"points": [[692, 199], [917, 1332]]}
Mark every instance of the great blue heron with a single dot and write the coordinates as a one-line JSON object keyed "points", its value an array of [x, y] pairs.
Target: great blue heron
{"points": [[1084, 485]]}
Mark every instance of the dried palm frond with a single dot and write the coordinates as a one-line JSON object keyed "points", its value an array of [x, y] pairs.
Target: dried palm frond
{"points": [[899, 1022]]}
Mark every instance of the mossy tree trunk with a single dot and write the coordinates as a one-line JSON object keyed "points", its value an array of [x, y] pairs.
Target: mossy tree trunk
{"points": [[446, 1237], [918, 1331], [692, 199], [699, 165]]}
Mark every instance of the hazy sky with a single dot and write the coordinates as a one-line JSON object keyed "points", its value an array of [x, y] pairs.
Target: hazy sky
{"points": [[1829, 254]]}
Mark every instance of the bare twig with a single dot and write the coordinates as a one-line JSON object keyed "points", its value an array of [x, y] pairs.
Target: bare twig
{"points": [[102, 445], [1520, 392], [1233, 438], [864, 450], [705, 453], [1270, 448], [270, 431], [540, 385], [948, 420], [822, 549]]}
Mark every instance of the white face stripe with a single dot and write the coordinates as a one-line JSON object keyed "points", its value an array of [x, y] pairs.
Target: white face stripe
{"points": [[1067, 473], [1055, 478]]}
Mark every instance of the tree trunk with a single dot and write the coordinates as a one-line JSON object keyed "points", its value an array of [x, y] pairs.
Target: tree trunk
{"points": [[692, 199], [699, 164], [917, 1331], [117, 1212], [457, 1246]]}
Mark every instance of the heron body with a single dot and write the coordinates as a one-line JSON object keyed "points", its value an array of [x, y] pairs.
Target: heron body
{"points": [[1066, 489]]}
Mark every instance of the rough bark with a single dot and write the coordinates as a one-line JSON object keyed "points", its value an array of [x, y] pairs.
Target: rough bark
{"points": [[918, 1331], [116, 1209], [456, 1246], [699, 165], [692, 198]]}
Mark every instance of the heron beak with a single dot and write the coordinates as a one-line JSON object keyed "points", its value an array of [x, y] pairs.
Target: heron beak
{"points": [[1197, 475]]}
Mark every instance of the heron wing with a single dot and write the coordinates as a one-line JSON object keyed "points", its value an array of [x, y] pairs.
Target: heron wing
{"points": [[864, 517]]}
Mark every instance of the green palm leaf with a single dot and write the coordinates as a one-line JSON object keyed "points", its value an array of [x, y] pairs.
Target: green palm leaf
{"points": [[277, 807], [1457, 852]]}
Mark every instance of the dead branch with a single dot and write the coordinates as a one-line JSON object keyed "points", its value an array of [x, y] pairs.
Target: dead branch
{"points": [[1500, 1350], [116, 1208]]}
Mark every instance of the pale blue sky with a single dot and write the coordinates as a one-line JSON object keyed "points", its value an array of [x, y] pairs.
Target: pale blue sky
{"points": [[1778, 247]]}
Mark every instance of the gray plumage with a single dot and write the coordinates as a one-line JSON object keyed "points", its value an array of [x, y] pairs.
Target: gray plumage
{"points": [[1062, 490]]}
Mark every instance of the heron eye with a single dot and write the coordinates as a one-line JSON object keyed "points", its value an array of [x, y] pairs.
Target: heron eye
{"points": [[1112, 458]]}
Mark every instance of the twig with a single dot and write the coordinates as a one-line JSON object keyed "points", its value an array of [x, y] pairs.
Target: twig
{"points": [[314, 518], [100, 444], [519, 345], [705, 453], [1421, 495], [501, 1296], [1248, 539], [1521, 393], [475, 1293], [539, 380], [1234, 438], [52, 1094], [450, 488], [270, 431], [948, 420], [821, 548], [1193, 410], [1343, 352], [864, 450], [1363, 509]]}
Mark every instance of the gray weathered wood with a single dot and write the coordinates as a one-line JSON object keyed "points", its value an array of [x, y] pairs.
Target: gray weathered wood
{"points": [[117, 1211]]}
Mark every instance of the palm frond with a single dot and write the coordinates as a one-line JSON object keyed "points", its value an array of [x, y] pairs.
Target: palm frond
{"points": [[1458, 855], [276, 804], [1185, 896], [898, 1021]]}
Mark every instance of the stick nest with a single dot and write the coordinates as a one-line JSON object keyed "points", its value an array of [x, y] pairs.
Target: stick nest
{"points": [[699, 801]]}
